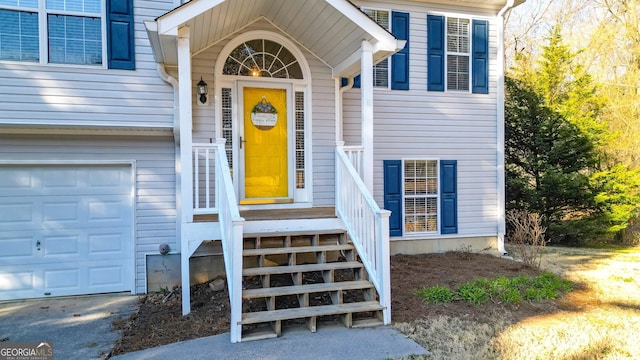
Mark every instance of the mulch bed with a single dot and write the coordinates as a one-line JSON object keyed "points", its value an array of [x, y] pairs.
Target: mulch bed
{"points": [[159, 320]]}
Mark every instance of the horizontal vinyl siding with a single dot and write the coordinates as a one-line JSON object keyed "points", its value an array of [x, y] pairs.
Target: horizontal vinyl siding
{"points": [[443, 125], [205, 125], [155, 192], [95, 96]]}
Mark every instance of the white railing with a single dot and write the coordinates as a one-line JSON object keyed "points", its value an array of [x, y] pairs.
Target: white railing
{"points": [[204, 178], [354, 153], [231, 230], [367, 226]]}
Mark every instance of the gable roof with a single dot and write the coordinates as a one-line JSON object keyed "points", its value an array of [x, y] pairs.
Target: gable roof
{"points": [[333, 30]]}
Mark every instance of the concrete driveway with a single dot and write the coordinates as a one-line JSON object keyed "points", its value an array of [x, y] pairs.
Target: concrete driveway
{"points": [[78, 327]]}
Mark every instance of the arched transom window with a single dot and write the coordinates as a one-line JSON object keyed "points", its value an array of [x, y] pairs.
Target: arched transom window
{"points": [[262, 58]]}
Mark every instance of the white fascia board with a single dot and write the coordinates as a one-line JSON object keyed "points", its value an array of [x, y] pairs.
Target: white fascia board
{"points": [[168, 23], [351, 65]]}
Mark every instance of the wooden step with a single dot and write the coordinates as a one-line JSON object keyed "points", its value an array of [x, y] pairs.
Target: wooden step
{"points": [[295, 249], [309, 288], [307, 312], [301, 268], [280, 234]]}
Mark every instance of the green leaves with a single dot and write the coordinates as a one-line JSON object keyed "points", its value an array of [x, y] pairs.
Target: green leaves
{"points": [[501, 289], [556, 157]]}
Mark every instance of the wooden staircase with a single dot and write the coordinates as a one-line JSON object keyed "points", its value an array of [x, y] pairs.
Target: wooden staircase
{"points": [[304, 278]]}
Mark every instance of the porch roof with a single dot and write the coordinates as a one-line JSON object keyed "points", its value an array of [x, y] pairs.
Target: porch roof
{"points": [[333, 30]]}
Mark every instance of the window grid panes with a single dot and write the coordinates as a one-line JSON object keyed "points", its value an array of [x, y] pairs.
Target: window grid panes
{"points": [[227, 125], [381, 69], [299, 110], [420, 196], [75, 40], [19, 39], [262, 58], [73, 29], [458, 53], [87, 6]]}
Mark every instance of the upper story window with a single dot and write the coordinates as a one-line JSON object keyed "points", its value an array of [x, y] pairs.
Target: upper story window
{"points": [[381, 69], [52, 31], [262, 58], [458, 53]]}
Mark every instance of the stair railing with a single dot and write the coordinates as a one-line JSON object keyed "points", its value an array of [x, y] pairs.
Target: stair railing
{"points": [[231, 230], [367, 226]]}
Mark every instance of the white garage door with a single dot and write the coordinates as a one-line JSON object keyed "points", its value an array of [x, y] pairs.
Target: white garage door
{"points": [[65, 230]]}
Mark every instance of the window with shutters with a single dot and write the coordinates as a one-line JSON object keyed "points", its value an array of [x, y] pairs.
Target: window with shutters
{"points": [[458, 37], [381, 69], [421, 196], [70, 29]]}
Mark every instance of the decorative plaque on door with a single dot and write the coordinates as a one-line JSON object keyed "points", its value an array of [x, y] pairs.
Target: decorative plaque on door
{"points": [[264, 116]]}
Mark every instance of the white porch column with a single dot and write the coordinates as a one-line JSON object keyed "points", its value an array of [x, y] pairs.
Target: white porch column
{"points": [[366, 98], [186, 165]]}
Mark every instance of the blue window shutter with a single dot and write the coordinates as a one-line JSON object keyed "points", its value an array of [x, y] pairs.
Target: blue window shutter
{"points": [[480, 54], [393, 195], [435, 53], [400, 60], [448, 197], [356, 82], [120, 35]]}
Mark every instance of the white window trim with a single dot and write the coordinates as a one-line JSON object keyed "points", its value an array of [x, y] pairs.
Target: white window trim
{"points": [[405, 233], [447, 53], [43, 33], [389, 60]]}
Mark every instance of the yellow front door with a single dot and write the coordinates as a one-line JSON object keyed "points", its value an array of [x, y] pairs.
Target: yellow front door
{"points": [[266, 173]]}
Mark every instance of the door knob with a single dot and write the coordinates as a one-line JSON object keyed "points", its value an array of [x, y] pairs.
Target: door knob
{"points": [[38, 245], [242, 142]]}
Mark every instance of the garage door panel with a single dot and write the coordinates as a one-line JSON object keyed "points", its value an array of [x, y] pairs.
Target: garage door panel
{"points": [[62, 281], [17, 281], [106, 244], [66, 230], [61, 212], [86, 277], [101, 276], [16, 246], [64, 212], [66, 245], [12, 179], [108, 211], [54, 179], [16, 213]]}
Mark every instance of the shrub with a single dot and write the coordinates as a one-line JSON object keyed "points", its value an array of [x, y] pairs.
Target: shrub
{"points": [[527, 233]]}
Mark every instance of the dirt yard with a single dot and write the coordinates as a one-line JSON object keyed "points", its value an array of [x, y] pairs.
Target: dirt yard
{"points": [[598, 320], [159, 319]]}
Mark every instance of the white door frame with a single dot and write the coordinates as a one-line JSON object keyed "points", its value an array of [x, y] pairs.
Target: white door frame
{"points": [[302, 197]]}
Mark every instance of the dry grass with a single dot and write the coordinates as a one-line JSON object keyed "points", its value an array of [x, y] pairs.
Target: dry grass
{"points": [[599, 320]]}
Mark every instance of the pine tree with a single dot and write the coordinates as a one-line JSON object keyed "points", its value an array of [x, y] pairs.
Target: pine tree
{"points": [[556, 149]]}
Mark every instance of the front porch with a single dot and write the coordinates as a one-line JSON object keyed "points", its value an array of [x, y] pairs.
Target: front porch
{"points": [[275, 143], [341, 252]]}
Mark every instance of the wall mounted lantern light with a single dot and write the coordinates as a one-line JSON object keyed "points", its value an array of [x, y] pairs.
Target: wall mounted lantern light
{"points": [[202, 91]]}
